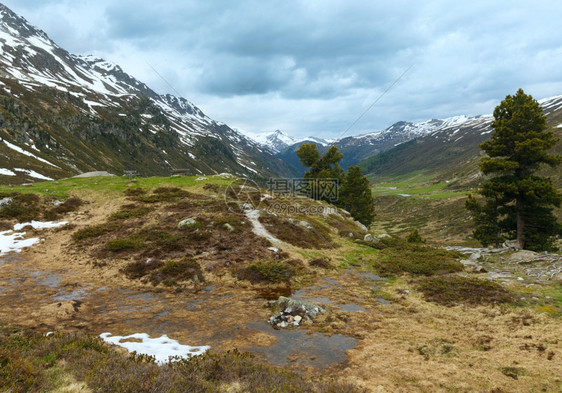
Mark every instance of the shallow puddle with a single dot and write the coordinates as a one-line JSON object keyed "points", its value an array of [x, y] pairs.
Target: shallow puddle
{"points": [[372, 276], [299, 347], [351, 307]]}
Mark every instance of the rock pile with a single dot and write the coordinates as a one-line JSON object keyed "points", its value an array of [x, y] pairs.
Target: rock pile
{"points": [[294, 312]]}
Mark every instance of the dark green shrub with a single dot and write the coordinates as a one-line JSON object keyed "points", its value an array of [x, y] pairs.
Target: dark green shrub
{"points": [[173, 272], [273, 271], [130, 212], [323, 263], [139, 269], [95, 231], [106, 369], [70, 205], [416, 260], [24, 207], [415, 237], [451, 290], [128, 243], [134, 191], [317, 236]]}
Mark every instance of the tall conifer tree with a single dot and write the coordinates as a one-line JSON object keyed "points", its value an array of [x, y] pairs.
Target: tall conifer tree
{"points": [[517, 201]]}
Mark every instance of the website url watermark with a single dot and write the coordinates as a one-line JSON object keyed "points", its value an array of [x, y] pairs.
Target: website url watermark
{"points": [[326, 189], [243, 195], [281, 208]]}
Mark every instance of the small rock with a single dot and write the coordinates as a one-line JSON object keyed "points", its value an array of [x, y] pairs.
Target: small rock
{"points": [[298, 319], [5, 201], [383, 236], [369, 238], [524, 255], [306, 225], [274, 249], [467, 262], [475, 256], [350, 235], [188, 222], [520, 279]]}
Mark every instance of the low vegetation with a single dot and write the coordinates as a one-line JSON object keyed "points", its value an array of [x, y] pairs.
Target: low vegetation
{"points": [[26, 207], [35, 363], [95, 231], [452, 289], [399, 257], [172, 273], [269, 272], [304, 232]]}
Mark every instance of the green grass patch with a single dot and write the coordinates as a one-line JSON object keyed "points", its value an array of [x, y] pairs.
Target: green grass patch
{"points": [[398, 256], [110, 186], [415, 185], [452, 289]]}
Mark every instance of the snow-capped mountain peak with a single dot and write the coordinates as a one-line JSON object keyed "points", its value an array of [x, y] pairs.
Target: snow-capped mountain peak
{"points": [[85, 102], [275, 141]]}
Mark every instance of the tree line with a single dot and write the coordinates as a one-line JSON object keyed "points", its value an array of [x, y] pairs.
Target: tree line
{"points": [[353, 191]]}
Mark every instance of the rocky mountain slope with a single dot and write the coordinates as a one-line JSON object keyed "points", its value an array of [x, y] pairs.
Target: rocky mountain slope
{"points": [[62, 114], [451, 152], [361, 147]]}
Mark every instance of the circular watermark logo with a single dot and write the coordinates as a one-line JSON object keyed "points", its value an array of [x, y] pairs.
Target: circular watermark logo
{"points": [[242, 195]]}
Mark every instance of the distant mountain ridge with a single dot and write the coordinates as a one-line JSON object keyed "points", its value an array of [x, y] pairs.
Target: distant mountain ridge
{"points": [[382, 152], [451, 151], [360, 147], [83, 113]]}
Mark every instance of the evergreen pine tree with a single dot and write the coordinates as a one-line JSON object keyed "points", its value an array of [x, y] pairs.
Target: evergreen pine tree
{"points": [[354, 194], [516, 200]]}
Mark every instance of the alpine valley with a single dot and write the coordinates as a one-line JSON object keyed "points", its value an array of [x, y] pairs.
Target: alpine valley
{"points": [[202, 283], [63, 114]]}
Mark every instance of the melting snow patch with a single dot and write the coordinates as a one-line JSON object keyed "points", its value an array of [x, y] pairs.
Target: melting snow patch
{"points": [[14, 242], [40, 225], [559, 126], [6, 172], [34, 174], [26, 153], [161, 348]]}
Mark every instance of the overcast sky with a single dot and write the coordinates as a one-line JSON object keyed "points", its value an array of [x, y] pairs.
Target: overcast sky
{"points": [[313, 67]]}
